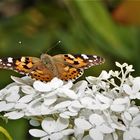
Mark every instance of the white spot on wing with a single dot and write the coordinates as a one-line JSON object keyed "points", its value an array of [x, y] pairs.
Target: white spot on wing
{"points": [[84, 56], [70, 56], [21, 72], [8, 64], [91, 61], [10, 59], [94, 56], [0, 60]]}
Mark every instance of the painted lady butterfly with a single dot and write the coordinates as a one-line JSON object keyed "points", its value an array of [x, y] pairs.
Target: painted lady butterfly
{"points": [[64, 66]]}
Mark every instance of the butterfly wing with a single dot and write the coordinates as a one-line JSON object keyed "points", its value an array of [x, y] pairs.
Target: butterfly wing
{"points": [[67, 72], [72, 66], [31, 66], [63, 66]]}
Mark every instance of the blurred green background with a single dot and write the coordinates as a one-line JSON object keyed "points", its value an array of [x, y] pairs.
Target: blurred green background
{"points": [[109, 28]]}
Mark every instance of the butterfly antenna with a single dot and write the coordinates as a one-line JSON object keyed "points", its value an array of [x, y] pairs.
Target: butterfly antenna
{"points": [[53, 46]]}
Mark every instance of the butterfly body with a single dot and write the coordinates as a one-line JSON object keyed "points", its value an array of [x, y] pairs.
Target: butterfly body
{"points": [[64, 66]]}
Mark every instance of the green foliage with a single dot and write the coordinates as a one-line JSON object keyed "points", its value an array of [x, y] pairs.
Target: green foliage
{"points": [[5, 135]]}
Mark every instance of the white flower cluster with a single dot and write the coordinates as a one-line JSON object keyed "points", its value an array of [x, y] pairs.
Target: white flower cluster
{"points": [[98, 108]]}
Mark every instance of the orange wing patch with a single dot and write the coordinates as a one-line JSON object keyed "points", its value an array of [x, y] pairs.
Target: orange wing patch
{"points": [[77, 62], [42, 77], [24, 64], [67, 72]]}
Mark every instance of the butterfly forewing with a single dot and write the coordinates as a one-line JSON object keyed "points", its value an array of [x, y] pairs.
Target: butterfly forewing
{"points": [[31, 66], [79, 61]]}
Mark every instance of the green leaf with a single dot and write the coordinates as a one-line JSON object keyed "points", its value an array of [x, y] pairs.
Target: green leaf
{"points": [[5, 133]]}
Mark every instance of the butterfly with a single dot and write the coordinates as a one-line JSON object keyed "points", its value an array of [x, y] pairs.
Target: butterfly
{"points": [[64, 66]]}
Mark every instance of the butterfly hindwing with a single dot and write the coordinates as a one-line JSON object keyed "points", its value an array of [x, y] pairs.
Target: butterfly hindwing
{"points": [[66, 72], [72, 66]]}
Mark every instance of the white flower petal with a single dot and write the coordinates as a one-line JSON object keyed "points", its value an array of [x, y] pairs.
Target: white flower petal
{"points": [[118, 64], [104, 106], [91, 79], [127, 116], [106, 129], [37, 133], [130, 68], [50, 100], [68, 85], [14, 115], [127, 136], [49, 125], [42, 87], [27, 89], [96, 119], [118, 126], [103, 99], [104, 75], [67, 132], [34, 122], [57, 136], [34, 107], [138, 95], [73, 109], [62, 115], [62, 105], [46, 87], [136, 121], [18, 80], [117, 108], [136, 84], [82, 124], [76, 104], [133, 110], [13, 95], [135, 132], [2, 105], [121, 101], [87, 137], [9, 106], [3, 92], [56, 83], [26, 99], [68, 113], [127, 89], [95, 134], [69, 93], [20, 105], [45, 110], [78, 132], [80, 88], [13, 89], [61, 124], [87, 101]]}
